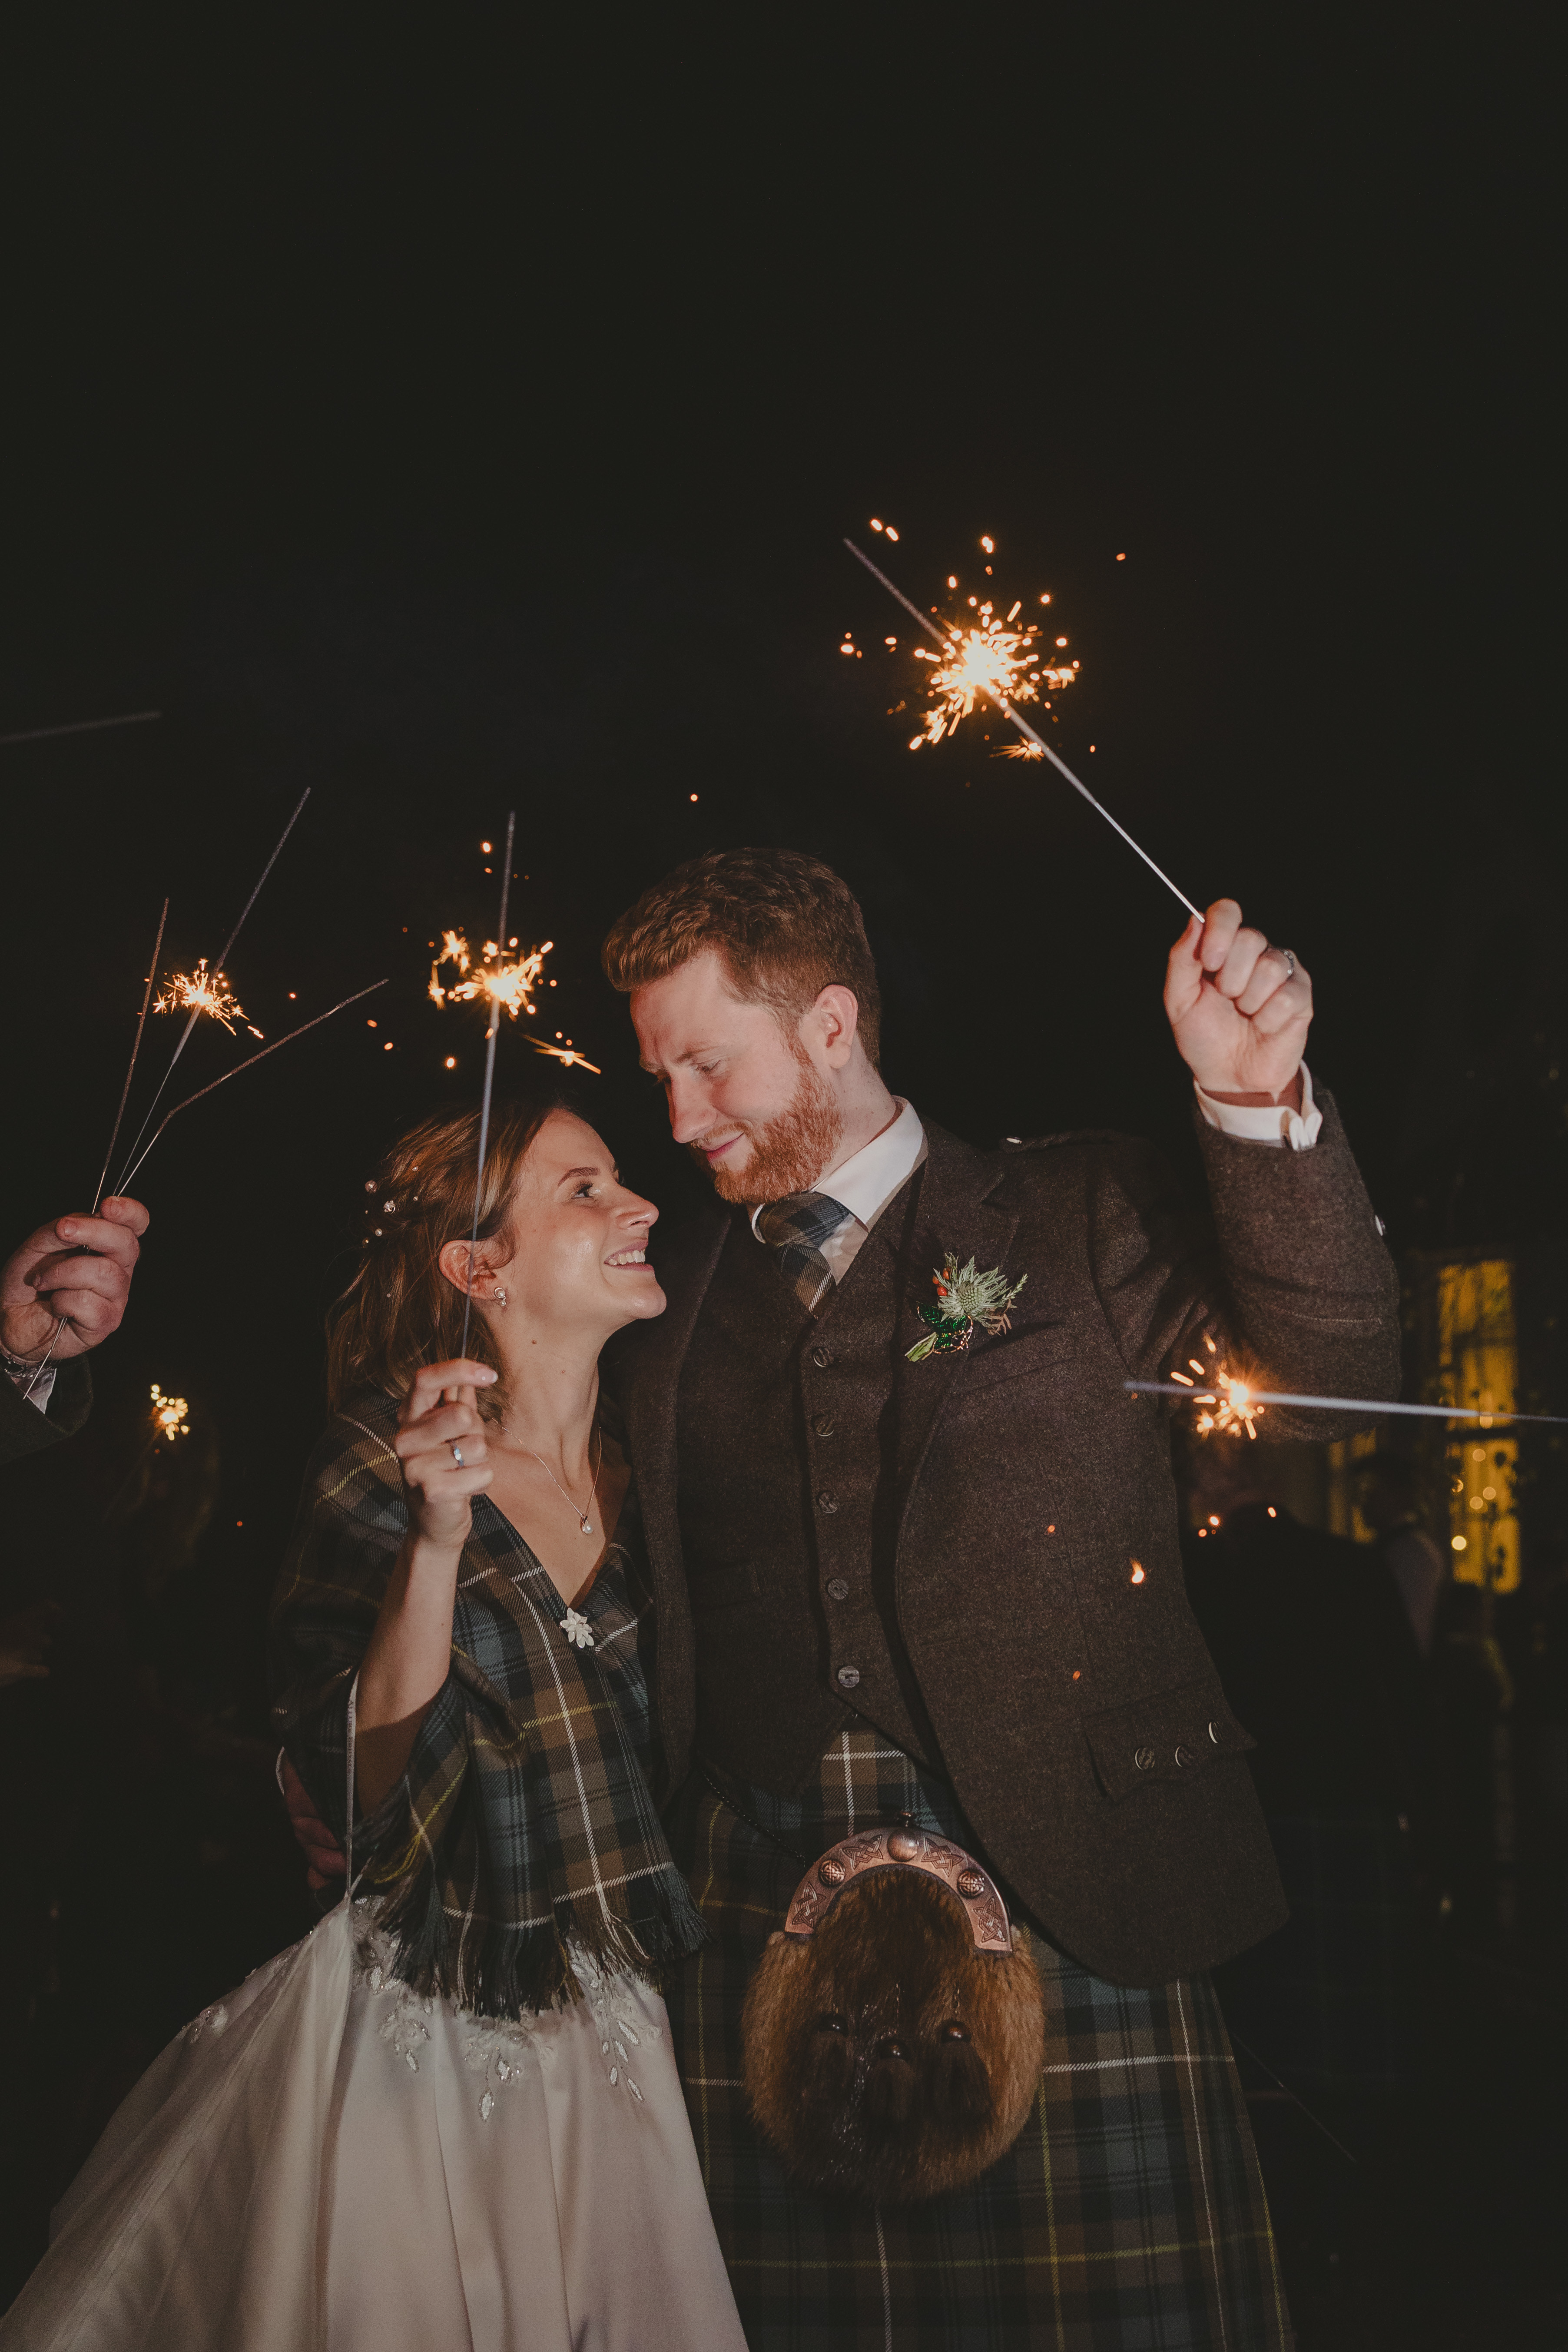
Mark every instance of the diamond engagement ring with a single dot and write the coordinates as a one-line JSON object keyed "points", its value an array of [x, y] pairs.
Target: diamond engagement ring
{"points": [[1290, 961], [457, 1456]]}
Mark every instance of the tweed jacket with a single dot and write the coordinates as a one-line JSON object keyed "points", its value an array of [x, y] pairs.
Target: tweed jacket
{"points": [[1080, 1719]]}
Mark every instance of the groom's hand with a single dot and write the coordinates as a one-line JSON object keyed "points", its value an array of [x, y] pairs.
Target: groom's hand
{"points": [[1239, 1012]]}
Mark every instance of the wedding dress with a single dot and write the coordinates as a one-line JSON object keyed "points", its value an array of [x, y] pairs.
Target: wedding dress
{"points": [[327, 2161]]}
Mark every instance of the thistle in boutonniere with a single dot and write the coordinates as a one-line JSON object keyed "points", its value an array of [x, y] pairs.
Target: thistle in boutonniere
{"points": [[963, 1301]]}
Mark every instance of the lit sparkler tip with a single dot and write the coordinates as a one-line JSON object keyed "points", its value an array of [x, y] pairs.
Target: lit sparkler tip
{"points": [[203, 991], [169, 1415], [503, 981]]}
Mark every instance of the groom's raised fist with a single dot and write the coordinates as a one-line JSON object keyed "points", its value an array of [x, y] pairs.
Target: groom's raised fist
{"points": [[1239, 1009]]}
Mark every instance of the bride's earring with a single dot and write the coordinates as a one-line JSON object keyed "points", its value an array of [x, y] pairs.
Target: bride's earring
{"points": [[500, 1298]]}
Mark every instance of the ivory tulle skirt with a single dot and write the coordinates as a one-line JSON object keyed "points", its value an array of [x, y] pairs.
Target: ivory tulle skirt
{"points": [[326, 2162]]}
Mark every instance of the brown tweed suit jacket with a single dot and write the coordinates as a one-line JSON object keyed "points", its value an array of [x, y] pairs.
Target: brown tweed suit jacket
{"points": [[1072, 1705]]}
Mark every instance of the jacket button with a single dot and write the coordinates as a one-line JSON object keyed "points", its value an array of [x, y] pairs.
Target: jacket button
{"points": [[849, 1677], [836, 1589], [826, 1502], [1184, 1756], [823, 1425], [822, 1358], [1216, 1729], [1145, 1759]]}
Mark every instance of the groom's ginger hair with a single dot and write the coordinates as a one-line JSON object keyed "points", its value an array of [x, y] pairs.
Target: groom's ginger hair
{"points": [[785, 925]]}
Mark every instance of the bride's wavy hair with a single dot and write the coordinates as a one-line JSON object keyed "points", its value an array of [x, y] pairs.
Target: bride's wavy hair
{"points": [[400, 1311]]}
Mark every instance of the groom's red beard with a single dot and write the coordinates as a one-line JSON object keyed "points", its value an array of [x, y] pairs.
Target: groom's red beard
{"points": [[789, 1152]]}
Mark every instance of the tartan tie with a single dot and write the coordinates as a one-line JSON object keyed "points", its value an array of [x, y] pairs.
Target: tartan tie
{"points": [[794, 1229]]}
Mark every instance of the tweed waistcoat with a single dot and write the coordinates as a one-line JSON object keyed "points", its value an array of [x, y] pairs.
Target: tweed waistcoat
{"points": [[1022, 1503], [786, 1473]]}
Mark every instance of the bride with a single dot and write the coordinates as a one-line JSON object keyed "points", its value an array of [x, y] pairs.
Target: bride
{"points": [[449, 2119]]}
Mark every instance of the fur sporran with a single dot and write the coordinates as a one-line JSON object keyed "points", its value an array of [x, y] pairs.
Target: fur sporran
{"points": [[894, 2030]]}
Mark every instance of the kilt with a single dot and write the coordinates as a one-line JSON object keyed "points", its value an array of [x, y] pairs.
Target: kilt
{"points": [[1129, 2214]]}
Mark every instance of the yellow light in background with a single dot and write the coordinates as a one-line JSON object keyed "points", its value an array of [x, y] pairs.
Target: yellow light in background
{"points": [[1477, 1351]]}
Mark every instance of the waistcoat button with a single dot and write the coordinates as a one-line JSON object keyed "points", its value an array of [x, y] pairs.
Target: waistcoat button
{"points": [[1184, 1756], [823, 1425], [849, 1677], [1145, 1759], [836, 1589], [826, 1502], [822, 1358], [1215, 1731]]}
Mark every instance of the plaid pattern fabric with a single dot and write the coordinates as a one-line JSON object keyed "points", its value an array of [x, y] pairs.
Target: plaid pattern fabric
{"points": [[794, 1228], [1130, 2215], [524, 1822]]}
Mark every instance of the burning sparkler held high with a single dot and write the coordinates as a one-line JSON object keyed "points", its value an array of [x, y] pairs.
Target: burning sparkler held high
{"points": [[503, 980], [990, 658]]}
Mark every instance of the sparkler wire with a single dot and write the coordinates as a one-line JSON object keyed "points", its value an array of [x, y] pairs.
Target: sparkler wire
{"points": [[136, 1048], [249, 1064], [81, 727], [490, 1081], [1024, 728], [1343, 1404], [217, 968]]}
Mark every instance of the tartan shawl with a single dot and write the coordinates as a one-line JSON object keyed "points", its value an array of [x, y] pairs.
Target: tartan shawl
{"points": [[525, 1828]]}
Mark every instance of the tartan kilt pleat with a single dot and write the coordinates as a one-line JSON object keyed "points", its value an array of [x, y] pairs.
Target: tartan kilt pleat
{"points": [[1129, 2214]]}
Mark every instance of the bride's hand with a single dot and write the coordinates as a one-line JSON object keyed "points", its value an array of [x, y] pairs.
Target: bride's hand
{"points": [[439, 1421]]}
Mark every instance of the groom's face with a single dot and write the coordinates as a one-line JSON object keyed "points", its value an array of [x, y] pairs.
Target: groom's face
{"points": [[746, 1094]]}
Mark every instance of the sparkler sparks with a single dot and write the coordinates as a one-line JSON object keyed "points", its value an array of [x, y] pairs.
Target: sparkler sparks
{"points": [[996, 690], [170, 1416], [990, 659], [200, 992], [1237, 1401], [504, 981], [567, 1055]]}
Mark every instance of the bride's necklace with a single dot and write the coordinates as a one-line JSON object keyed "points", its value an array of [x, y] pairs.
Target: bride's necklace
{"points": [[584, 1521]]}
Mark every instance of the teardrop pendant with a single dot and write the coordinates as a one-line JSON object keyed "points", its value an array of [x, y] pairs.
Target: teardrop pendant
{"points": [[588, 1528]]}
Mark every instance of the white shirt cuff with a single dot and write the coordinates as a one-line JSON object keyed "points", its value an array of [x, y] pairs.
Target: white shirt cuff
{"points": [[1272, 1123]]}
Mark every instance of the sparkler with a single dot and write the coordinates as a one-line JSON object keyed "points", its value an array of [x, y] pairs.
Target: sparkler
{"points": [[508, 984], [491, 1034], [1004, 676], [1347, 1404], [81, 727], [196, 991], [567, 1055], [248, 1064], [196, 1009], [169, 1416], [130, 1069]]}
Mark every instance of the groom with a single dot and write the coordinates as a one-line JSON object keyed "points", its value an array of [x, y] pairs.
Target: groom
{"points": [[953, 1587]]}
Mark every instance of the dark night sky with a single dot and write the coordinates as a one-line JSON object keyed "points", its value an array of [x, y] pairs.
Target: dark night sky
{"points": [[449, 423]]}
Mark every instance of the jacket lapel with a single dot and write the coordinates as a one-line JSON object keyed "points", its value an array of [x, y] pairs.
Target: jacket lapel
{"points": [[952, 1212]]}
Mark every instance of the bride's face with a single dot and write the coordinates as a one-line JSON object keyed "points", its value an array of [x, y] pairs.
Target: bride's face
{"points": [[576, 1265]]}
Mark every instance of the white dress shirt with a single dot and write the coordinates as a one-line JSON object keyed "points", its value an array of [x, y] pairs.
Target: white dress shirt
{"points": [[875, 1174]]}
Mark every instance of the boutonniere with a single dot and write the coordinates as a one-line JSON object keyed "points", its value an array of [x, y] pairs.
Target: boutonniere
{"points": [[964, 1299], [577, 1630]]}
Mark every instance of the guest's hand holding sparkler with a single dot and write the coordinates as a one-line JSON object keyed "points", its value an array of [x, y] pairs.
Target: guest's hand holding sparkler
{"points": [[1239, 1009], [70, 1282]]}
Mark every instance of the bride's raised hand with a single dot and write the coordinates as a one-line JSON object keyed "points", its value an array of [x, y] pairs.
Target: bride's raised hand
{"points": [[441, 1445]]}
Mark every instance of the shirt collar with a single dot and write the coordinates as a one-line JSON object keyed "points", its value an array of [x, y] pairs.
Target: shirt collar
{"points": [[871, 1176]]}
